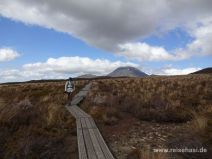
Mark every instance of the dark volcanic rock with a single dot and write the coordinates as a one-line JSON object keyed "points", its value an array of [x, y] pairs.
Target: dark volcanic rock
{"points": [[127, 71], [204, 71], [87, 76]]}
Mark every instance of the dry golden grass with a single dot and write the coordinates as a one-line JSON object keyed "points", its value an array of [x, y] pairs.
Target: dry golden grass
{"points": [[34, 122], [146, 153], [199, 122], [163, 99], [185, 100]]}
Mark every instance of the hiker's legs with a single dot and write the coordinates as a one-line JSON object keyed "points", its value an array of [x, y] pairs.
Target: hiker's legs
{"points": [[69, 96]]}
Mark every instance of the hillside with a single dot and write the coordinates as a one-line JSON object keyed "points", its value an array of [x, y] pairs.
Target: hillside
{"points": [[127, 72], [87, 76], [204, 71]]}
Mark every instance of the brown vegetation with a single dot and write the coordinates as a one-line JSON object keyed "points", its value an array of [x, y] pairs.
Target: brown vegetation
{"points": [[34, 122], [134, 115], [185, 100]]}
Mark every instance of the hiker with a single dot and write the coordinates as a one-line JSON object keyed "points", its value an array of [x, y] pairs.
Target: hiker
{"points": [[69, 87]]}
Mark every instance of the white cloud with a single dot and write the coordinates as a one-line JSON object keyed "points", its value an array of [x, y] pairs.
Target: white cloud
{"points": [[175, 71], [107, 23], [200, 46], [145, 52], [62, 67], [76, 65], [7, 54], [113, 25], [202, 39]]}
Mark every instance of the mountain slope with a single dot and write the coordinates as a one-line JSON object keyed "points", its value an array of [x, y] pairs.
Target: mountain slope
{"points": [[204, 71], [87, 76], [127, 71]]}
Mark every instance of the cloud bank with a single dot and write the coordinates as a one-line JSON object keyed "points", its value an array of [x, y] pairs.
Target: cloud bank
{"points": [[113, 25], [63, 67], [145, 52], [175, 71], [7, 54]]}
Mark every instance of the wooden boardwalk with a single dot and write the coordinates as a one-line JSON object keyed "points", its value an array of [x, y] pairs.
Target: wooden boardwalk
{"points": [[91, 144]]}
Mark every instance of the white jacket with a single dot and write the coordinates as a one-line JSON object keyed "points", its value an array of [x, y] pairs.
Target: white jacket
{"points": [[69, 86]]}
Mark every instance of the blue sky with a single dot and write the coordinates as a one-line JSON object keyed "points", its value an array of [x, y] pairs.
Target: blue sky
{"points": [[38, 43], [43, 44]]}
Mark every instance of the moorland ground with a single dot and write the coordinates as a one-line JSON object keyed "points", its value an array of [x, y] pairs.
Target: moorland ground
{"points": [[135, 115], [34, 122]]}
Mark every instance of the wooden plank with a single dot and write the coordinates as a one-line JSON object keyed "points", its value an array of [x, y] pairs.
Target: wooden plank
{"points": [[89, 146], [78, 114], [92, 122], [78, 122], [82, 112], [81, 143], [87, 87], [98, 150], [73, 101], [82, 93], [84, 126], [79, 111], [96, 145], [76, 100], [76, 111], [89, 126], [71, 111], [103, 145]]}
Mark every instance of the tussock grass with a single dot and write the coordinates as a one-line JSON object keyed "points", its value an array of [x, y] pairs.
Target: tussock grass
{"points": [[161, 99], [34, 122], [185, 100], [146, 153], [199, 123]]}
